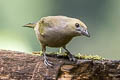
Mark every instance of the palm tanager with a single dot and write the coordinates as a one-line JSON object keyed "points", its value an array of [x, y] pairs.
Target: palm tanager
{"points": [[57, 31]]}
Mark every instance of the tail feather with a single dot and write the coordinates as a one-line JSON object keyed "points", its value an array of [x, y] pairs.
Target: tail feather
{"points": [[30, 25]]}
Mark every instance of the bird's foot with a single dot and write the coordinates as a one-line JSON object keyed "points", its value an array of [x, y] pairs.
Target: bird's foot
{"points": [[47, 62], [71, 57]]}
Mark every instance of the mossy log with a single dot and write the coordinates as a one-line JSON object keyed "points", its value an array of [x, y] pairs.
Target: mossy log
{"points": [[23, 66]]}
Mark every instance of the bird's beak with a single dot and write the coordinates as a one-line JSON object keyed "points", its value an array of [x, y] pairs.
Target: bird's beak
{"points": [[85, 33]]}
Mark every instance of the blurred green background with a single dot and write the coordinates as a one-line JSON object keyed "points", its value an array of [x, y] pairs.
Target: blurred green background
{"points": [[101, 16]]}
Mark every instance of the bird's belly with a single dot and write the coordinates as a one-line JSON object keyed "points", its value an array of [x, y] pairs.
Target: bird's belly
{"points": [[53, 37], [57, 43], [55, 40]]}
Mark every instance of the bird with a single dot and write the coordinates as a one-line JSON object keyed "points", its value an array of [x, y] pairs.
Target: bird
{"points": [[57, 32]]}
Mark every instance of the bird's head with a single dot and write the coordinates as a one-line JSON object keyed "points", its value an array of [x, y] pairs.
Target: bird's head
{"points": [[77, 27]]}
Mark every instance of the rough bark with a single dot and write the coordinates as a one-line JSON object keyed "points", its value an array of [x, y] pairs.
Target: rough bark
{"points": [[22, 66]]}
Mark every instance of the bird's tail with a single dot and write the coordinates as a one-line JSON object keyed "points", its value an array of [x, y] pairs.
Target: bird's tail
{"points": [[30, 25]]}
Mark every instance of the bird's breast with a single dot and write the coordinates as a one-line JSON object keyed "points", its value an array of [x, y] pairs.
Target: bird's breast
{"points": [[54, 38]]}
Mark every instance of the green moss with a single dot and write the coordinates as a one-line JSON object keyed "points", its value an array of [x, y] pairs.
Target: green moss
{"points": [[57, 53], [37, 53], [94, 57], [79, 56]]}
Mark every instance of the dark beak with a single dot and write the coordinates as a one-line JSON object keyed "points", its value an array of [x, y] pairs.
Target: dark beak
{"points": [[85, 33]]}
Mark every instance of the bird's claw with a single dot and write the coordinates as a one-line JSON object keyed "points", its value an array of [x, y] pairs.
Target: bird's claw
{"points": [[71, 58], [46, 62]]}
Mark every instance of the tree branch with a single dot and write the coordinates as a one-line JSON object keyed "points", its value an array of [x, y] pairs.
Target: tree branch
{"points": [[22, 66]]}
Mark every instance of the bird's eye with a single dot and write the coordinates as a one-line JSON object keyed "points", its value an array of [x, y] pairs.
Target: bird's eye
{"points": [[77, 25]]}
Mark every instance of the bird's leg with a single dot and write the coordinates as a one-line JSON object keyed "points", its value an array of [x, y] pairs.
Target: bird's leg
{"points": [[46, 62], [71, 57]]}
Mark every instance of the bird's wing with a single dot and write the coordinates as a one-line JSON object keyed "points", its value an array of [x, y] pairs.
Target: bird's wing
{"points": [[52, 22]]}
